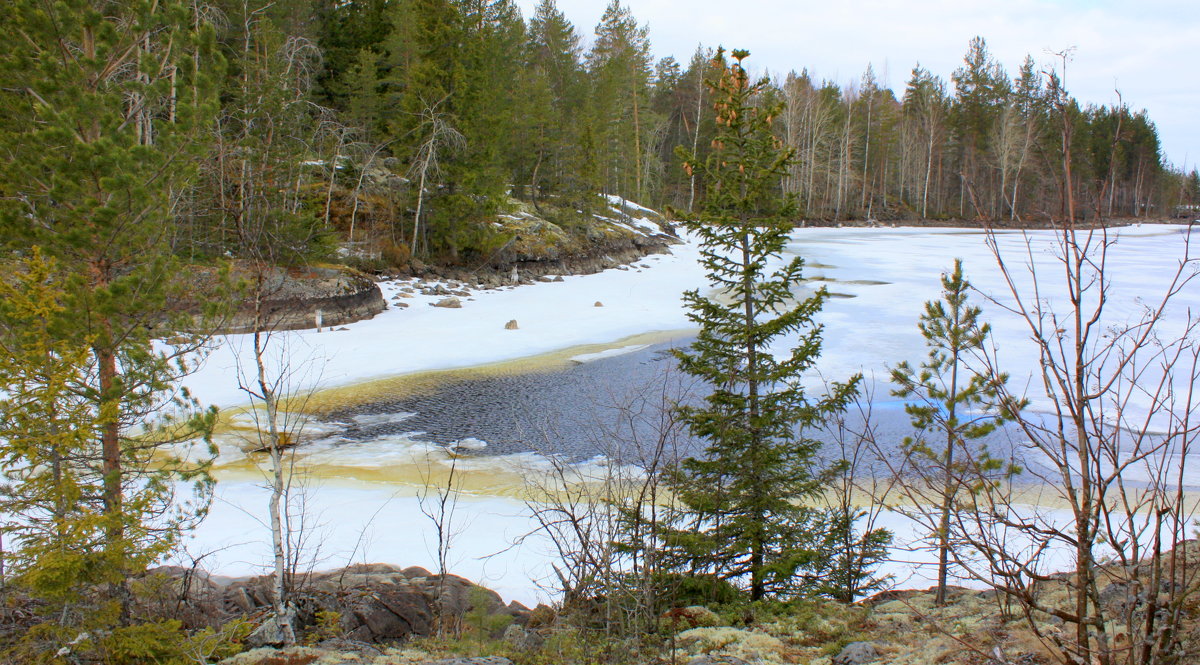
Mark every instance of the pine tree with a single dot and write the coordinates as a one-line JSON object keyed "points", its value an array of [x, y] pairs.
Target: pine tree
{"points": [[58, 528], [101, 111], [619, 66], [555, 88], [952, 403], [744, 498]]}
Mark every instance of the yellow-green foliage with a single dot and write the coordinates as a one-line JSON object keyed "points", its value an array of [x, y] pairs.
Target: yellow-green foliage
{"points": [[328, 626], [480, 617], [158, 642], [45, 434]]}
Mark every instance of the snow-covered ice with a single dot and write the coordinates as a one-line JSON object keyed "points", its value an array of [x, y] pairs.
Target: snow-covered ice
{"points": [[880, 279]]}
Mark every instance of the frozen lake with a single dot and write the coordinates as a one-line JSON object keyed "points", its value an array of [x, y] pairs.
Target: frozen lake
{"points": [[367, 461]]}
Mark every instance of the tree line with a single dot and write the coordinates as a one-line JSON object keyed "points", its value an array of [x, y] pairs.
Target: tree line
{"points": [[544, 116], [408, 125]]}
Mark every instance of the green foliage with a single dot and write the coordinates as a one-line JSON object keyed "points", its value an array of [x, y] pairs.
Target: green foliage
{"points": [[952, 406], [743, 514], [102, 108], [952, 401], [846, 571], [100, 639], [480, 618], [619, 65], [327, 626], [685, 590]]}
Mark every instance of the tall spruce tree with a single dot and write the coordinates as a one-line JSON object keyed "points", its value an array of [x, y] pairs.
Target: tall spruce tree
{"points": [[743, 512]]}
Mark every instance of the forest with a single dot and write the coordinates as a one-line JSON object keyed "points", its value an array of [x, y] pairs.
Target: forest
{"points": [[406, 126], [150, 144]]}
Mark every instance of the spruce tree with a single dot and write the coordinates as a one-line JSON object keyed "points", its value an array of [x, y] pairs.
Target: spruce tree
{"points": [[555, 87], [744, 513]]}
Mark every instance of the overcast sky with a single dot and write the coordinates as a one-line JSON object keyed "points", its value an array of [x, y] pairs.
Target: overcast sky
{"points": [[1147, 49]]}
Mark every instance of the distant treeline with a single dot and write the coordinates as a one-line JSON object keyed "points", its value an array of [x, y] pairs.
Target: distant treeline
{"points": [[462, 103]]}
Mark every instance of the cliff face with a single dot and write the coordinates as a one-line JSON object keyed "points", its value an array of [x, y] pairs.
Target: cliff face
{"points": [[555, 239], [311, 297], [287, 298]]}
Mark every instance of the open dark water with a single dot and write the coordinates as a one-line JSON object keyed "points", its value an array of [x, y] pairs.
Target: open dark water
{"points": [[611, 407]]}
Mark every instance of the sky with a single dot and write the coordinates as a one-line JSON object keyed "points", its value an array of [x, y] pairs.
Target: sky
{"points": [[1149, 50]]}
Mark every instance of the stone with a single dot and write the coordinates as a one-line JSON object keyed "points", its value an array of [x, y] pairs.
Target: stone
{"points": [[857, 653], [401, 305], [484, 660], [389, 614], [522, 638], [716, 659], [241, 599], [557, 278], [598, 304], [274, 632], [297, 655], [511, 325], [695, 616], [450, 303]]}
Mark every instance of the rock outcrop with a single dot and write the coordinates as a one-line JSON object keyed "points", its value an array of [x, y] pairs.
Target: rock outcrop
{"points": [[373, 603], [294, 298]]}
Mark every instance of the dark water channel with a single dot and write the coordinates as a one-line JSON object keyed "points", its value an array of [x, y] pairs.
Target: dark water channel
{"points": [[611, 407]]}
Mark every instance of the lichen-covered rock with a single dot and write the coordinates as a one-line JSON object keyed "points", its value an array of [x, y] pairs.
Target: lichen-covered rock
{"points": [[291, 298], [716, 659], [694, 616], [745, 644], [274, 632], [857, 653]]}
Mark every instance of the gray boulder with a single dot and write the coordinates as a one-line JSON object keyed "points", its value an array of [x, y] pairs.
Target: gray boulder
{"points": [[857, 653]]}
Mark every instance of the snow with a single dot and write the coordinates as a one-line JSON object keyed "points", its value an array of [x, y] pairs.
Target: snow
{"points": [[887, 273], [607, 353], [374, 523], [551, 315]]}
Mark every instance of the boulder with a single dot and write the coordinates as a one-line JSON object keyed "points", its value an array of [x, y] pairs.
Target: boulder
{"points": [[857, 653], [695, 616], [511, 325], [598, 304], [450, 302], [292, 298], [274, 632], [716, 659]]}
